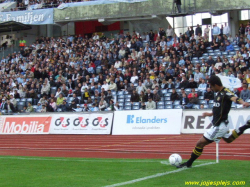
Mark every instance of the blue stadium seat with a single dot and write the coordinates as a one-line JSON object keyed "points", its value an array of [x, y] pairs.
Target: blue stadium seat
{"points": [[160, 103], [206, 106], [204, 102], [177, 107], [127, 108], [178, 90], [59, 110], [127, 100], [188, 90], [164, 91], [195, 61], [167, 94], [196, 107], [136, 104], [128, 104], [177, 102], [167, 98], [168, 107], [20, 105], [120, 93], [201, 97], [135, 107], [160, 107], [113, 93], [125, 92], [168, 102], [121, 104], [211, 102], [121, 96], [127, 96], [121, 100], [29, 100], [80, 99], [53, 90], [218, 53]]}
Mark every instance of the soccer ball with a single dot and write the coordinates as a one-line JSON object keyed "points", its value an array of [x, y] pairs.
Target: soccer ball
{"points": [[175, 159]]}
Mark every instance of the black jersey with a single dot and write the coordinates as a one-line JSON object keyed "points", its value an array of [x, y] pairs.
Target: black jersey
{"points": [[222, 105]]}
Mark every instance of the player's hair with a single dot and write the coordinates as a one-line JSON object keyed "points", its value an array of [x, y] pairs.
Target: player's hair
{"points": [[214, 80]]}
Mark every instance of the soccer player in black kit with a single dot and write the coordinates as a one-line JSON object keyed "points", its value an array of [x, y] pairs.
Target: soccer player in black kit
{"points": [[220, 129]]}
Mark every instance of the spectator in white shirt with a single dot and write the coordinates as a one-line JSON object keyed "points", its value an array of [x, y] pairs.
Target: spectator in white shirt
{"points": [[118, 64], [84, 85], [226, 30], [105, 86], [112, 86], [96, 37], [202, 88], [197, 75], [169, 32], [134, 78]]}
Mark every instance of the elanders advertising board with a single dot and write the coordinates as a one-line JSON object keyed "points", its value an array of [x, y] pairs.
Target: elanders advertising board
{"points": [[25, 125], [94, 123], [151, 122], [194, 122]]}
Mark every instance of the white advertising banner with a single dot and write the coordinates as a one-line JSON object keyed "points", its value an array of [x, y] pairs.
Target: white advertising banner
{"points": [[92, 123], [194, 122], [141, 122]]}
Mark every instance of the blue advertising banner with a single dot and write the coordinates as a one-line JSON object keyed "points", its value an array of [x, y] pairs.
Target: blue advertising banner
{"points": [[34, 17]]}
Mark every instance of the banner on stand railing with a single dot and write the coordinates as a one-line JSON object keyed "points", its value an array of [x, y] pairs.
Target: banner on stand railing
{"points": [[82, 123], [143, 122]]}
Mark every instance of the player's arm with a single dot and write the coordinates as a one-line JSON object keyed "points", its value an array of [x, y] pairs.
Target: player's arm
{"points": [[205, 114], [240, 101]]}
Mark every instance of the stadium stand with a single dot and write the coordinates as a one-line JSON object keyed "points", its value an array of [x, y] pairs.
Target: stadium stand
{"points": [[76, 71]]}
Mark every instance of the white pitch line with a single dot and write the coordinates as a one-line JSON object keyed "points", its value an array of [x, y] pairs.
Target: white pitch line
{"points": [[157, 175], [87, 160]]}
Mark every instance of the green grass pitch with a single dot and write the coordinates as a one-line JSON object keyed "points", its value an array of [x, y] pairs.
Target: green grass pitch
{"points": [[89, 172]]}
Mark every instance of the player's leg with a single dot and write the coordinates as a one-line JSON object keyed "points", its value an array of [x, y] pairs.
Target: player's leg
{"points": [[202, 142], [213, 134], [237, 132]]}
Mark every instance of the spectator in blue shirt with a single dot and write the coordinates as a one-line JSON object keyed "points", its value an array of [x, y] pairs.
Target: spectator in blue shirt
{"points": [[229, 47], [97, 62], [216, 31]]}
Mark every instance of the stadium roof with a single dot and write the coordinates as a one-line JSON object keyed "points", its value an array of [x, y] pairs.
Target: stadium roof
{"points": [[13, 26]]}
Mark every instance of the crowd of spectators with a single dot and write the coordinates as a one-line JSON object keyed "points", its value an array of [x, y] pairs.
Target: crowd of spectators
{"points": [[147, 70]]}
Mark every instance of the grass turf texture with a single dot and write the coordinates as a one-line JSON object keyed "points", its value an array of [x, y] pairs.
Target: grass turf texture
{"points": [[79, 172]]}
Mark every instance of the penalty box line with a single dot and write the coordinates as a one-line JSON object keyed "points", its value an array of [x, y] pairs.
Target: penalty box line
{"points": [[158, 175]]}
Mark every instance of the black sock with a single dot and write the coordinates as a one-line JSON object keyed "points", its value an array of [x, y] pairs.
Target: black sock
{"points": [[240, 130], [195, 154]]}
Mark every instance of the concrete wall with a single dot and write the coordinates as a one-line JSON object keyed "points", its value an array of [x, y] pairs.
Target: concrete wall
{"points": [[150, 7]]}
